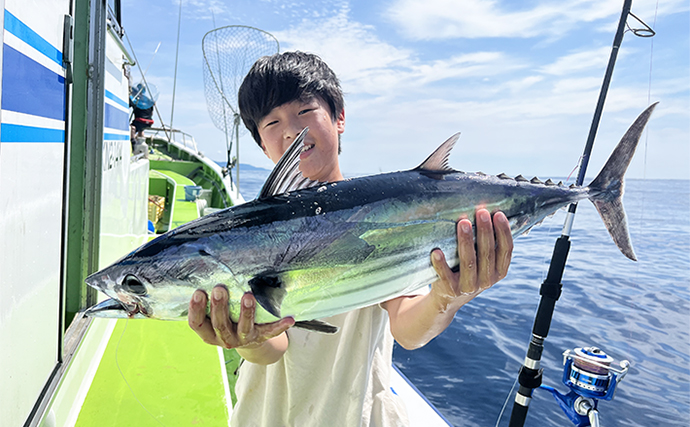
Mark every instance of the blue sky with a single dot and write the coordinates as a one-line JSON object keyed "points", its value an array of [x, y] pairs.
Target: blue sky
{"points": [[518, 79]]}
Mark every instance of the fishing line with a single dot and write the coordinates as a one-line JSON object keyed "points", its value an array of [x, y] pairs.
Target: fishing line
{"points": [[505, 403], [577, 166], [544, 263], [117, 349], [649, 89], [553, 223], [641, 217]]}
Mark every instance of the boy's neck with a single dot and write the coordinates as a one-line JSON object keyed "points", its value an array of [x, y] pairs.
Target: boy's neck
{"points": [[335, 176]]}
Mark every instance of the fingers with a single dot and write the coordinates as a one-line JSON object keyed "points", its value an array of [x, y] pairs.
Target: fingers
{"points": [[504, 244], [197, 309], [218, 328], [270, 330], [251, 334], [245, 325], [220, 318], [446, 276], [468, 258], [482, 262], [198, 320], [486, 250]]}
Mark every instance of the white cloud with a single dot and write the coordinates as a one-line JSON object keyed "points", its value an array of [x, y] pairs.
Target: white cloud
{"points": [[348, 47], [439, 19], [522, 84], [476, 64], [578, 61], [442, 19], [568, 86], [368, 65], [521, 107]]}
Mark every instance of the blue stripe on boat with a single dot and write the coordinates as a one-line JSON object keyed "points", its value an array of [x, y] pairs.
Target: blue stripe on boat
{"points": [[114, 137], [113, 97], [30, 37], [20, 133], [115, 118], [416, 390], [30, 88]]}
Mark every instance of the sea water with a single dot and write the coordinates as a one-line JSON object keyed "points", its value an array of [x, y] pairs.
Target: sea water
{"points": [[638, 311]]}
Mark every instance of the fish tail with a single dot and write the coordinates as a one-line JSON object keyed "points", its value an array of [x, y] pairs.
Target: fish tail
{"points": [[606, 191]]}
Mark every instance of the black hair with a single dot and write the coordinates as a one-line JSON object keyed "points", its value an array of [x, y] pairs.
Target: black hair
{"points": [[285, 77]]}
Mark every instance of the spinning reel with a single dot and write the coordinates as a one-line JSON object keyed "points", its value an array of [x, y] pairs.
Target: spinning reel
{"points": [[591, 375]]}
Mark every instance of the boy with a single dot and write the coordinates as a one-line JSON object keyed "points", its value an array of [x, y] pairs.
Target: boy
{"points": [[300, 378]]}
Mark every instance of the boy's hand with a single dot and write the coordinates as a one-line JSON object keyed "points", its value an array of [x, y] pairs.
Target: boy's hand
{"points": [[479, 269], [218, 329]]}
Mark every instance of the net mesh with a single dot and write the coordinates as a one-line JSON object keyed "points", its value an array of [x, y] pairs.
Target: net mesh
{"points": [[229, 52]]}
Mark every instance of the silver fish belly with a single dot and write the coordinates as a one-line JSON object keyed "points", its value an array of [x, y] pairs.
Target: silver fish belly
{"points": [[312, 250]]}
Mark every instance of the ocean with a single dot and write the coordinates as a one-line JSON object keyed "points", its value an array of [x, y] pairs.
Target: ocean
{"points": [[637, 311]]}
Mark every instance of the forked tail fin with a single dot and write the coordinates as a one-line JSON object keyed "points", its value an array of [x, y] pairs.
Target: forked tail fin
{"points": [[606, 191]]}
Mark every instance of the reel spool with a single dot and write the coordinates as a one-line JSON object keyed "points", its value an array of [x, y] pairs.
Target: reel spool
{"points": [[591, 373]]}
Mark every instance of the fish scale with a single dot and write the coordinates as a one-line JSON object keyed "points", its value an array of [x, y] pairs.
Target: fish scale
{"points": [[320, 249]]}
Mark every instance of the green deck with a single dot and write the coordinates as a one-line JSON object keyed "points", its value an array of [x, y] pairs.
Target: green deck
{"points": [[161, 373], [182, 211], [154, 373]]}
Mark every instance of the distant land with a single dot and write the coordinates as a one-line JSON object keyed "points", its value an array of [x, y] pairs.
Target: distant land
{"points": [[244, 166]]}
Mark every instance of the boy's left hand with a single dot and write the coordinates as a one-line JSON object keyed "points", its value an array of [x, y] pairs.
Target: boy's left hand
{"points": [[479, 269]]}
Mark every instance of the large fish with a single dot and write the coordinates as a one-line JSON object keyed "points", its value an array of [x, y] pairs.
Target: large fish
{"points": [[333, 247]]}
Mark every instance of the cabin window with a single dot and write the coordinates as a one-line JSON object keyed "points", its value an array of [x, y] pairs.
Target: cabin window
{"points": [[115, 12]]}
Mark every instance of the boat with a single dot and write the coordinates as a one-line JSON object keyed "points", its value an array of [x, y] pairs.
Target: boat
{"points": [[74, 197]]}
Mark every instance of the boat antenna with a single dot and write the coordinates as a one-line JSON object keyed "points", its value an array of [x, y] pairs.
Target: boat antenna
{"points": [[143, 78], [146, 71], [530, 374], [229, 53], [152, 56], [177, 51]]}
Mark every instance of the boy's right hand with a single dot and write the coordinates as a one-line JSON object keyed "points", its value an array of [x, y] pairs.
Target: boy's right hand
{"points": [[218, 329]]}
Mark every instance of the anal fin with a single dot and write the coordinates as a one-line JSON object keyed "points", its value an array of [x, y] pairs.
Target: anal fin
{"points": [[317, 326]]}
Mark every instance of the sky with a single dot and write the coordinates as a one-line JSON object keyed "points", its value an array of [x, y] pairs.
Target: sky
{"points": [[519, 79]]}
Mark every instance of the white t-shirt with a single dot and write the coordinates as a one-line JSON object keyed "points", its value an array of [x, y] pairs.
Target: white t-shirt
{"points": [[325, 380]]}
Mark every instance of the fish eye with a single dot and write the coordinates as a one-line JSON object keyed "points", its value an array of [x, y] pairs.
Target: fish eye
{"points": [[132, 284]]}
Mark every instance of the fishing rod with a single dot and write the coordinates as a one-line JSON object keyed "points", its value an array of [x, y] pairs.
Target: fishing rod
{"points": [[589, 372]]}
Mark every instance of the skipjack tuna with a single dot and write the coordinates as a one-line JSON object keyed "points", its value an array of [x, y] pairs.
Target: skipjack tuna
{"points": [[312, 250]]}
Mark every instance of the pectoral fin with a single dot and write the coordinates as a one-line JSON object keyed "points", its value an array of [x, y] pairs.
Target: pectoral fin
{"points": [[269, 292]]}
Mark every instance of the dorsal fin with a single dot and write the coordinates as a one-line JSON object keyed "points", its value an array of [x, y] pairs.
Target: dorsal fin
{"points": [[286, 175], [438, 160]]}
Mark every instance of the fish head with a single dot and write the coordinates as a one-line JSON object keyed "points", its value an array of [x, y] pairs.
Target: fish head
{"points": [[159, 284], [129, 294]]}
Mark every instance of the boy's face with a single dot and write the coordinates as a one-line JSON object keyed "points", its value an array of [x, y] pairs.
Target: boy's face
{"points": [[279, 128]]}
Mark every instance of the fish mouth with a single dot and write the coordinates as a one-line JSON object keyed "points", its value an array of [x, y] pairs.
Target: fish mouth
{"points": [[114, 309]]}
